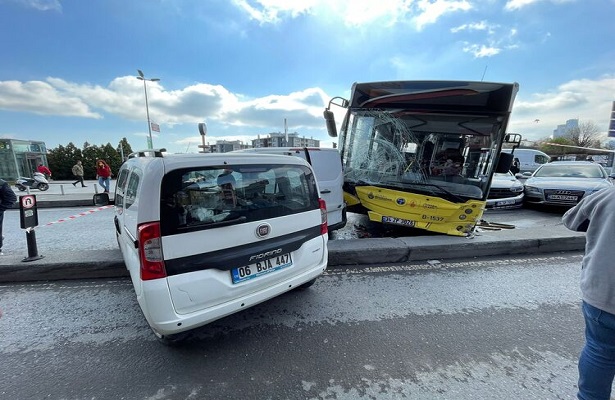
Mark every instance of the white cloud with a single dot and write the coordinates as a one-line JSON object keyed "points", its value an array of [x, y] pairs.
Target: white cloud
{"points": [[270, 11], [431, 11], [585, 99], [512, 5], [481, 50], [354, 13], [475, 26], [42, 98], [41, 5], [124, 97]]}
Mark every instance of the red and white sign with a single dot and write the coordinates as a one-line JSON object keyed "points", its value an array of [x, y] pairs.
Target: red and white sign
{"points": [[28, 201]]}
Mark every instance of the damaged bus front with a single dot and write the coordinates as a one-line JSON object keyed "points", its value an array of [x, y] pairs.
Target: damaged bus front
{"points": [[422, 153]]}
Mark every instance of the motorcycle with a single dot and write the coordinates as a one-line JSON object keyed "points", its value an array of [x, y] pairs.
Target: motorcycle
{"points": [[37, 181]]}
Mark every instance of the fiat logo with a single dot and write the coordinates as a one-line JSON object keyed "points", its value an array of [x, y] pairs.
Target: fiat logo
{"points": [[263, 230], [401, 201]]}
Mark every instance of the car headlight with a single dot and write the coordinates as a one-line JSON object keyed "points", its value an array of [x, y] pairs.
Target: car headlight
{"points": [[516, 189], [532, 189]]}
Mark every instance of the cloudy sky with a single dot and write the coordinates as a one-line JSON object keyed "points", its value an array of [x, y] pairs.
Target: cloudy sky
{"points": [[69, 67]]}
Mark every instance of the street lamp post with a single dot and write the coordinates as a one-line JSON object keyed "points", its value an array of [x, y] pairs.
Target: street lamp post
{"points": [[141, 77]]}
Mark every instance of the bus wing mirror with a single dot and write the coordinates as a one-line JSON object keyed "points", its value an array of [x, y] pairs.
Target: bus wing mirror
{"points": [[504, 163], [513, 138], [330, 121]]}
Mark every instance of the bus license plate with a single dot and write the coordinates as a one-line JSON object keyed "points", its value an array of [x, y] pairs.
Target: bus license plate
{"points": [[261, 268], [397, 221]]}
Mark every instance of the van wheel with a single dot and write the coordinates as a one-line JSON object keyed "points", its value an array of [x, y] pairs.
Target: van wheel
{"points": [[307, 284], [171, 340]]}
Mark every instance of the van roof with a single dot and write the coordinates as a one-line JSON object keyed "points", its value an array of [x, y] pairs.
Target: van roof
{"points": [[212, 158]]}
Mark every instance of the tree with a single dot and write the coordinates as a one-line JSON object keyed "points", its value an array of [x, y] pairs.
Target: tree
{"points": [[62, 159], [587, 134], [557, 150]]}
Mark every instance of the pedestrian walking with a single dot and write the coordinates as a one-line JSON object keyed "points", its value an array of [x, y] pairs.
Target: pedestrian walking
{"points": [[78, 173], [103, 173], [7, 200], [594, 215], [44, 170], [515, 168]]}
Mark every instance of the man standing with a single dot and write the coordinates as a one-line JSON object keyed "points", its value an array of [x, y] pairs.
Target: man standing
{"points": [[78, 172], [7, 200], [595, 215]]}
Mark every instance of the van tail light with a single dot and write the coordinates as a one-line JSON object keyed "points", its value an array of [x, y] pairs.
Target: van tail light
{"points": [[323, 217], [150, 251]]}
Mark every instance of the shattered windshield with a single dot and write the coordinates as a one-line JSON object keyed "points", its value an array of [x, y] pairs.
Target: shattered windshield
{"points": [[449, 156]]}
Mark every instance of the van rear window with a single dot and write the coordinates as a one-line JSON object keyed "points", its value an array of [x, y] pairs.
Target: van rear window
{"points": [[209, 197]]}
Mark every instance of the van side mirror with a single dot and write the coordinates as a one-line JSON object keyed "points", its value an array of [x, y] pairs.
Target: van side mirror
{"points": [[102, 199], [504, 163], [330, 121]]}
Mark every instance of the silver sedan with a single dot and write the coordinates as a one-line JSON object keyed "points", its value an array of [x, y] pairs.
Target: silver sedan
{"points": [[565, 183]]}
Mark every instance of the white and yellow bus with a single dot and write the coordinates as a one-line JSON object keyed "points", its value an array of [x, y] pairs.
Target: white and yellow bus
{"points": [[422, 153]]}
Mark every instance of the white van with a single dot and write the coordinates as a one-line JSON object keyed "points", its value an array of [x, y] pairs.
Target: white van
{"points": [[327, 165], [207, 235], [529, 159]]}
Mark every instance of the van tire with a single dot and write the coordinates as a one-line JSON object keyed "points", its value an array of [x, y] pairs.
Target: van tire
{"points": [[307, 284]]}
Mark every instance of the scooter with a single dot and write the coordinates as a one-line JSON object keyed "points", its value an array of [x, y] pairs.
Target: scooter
{"points": [[37, 181]]}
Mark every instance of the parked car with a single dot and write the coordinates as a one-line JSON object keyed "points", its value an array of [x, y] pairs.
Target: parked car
{"points": [[506, 191], [565, 183], [207, 235]]}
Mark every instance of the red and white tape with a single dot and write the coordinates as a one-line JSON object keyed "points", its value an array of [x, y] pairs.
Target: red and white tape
{"points": [[72, 217]]}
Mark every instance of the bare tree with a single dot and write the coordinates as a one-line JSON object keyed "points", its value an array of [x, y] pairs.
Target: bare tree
{"points": [[587, 134]]}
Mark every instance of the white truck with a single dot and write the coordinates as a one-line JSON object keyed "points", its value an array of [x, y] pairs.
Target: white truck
{"points": [[530, 159]]}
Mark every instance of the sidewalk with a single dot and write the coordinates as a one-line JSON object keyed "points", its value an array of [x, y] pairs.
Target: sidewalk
{"points": [[531, 236]]}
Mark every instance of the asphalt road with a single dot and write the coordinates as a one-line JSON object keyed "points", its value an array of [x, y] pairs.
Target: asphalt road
{"points": [[480, 329]]}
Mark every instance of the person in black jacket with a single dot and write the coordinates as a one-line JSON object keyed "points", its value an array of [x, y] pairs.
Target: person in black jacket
{"points": [[515, 168], [7, 200]]}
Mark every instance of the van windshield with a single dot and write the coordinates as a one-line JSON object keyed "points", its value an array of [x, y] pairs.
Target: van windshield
{"points": [[208, 197]]}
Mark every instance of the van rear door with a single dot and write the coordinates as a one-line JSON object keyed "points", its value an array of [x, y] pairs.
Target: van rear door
{"points": [[327, 166]]}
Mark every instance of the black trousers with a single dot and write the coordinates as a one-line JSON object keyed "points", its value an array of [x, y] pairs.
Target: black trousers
{"points": [[79, 179], [1, 220]]}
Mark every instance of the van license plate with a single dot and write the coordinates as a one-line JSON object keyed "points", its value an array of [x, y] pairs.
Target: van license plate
{"points": [[261, 268]]}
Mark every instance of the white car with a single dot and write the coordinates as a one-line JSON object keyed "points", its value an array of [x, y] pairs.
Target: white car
{"points": [[506, 191], [207, 235]]}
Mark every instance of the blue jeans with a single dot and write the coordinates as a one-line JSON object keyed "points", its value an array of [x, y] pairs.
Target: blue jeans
{"points": [[597, 360], [104, 182]]}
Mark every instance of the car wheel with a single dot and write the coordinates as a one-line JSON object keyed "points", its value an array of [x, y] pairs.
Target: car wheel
{"points": [[307, 284], [171, 340]]}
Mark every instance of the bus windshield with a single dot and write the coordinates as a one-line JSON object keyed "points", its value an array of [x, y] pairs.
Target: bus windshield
{"points": [[449, 156]]}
